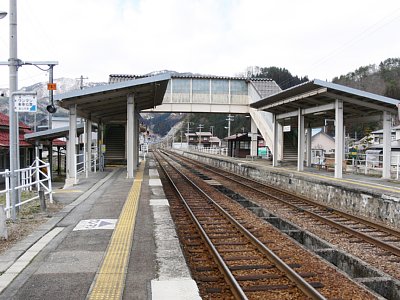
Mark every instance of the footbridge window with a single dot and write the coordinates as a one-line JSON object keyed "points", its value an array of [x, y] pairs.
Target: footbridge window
{"points": [[239, 92], [180, 90], [220, 91], [201, 91]]}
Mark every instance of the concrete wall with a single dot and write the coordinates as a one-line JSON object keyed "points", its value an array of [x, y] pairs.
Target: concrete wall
{"points": [[359, 201]]}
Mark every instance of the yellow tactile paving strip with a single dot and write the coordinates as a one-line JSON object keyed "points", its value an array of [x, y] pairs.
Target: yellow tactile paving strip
{"points": [[110, 280]]}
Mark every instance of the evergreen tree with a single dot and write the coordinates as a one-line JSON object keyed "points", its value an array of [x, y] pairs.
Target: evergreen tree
{"points": [[281, 76]]}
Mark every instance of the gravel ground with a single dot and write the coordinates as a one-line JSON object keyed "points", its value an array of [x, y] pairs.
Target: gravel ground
{"points": [[29, 219], [377, 258], [335, 284]]}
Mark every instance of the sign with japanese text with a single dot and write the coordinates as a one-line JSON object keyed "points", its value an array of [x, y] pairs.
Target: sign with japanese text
{"points": [[25, 103], [52, 86]]}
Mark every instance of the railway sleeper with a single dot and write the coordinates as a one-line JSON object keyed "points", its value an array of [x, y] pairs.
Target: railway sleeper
{"points": [[375, 280]]}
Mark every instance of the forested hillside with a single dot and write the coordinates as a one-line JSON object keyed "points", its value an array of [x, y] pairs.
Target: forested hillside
{"points": [[281, 76], [382, 79], [161, 123]]}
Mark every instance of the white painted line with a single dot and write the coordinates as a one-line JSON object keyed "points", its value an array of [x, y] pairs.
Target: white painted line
{"points": [[25, 259], [155, 182], [96, 224], [153, 173], [17, 267], [28, 256], [177, 289], [159, 202]]}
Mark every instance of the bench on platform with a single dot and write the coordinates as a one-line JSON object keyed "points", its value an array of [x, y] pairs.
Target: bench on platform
{"points": [[329, 163]]}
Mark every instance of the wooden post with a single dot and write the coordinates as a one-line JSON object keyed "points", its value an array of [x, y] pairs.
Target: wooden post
{"points": [[42, 200]]}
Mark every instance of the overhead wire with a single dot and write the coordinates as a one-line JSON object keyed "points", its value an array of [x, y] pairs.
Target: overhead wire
{"points": [[391, 17], [394, 15]]}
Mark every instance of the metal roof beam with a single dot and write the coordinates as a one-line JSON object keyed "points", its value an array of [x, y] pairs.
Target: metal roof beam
{"points": [[316, 109], [101, 114], [362, 103], [291, 114], [293, 99], [365, 119], [306, 111]]}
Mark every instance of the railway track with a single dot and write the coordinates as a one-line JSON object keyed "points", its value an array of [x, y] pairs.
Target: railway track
{"points": [[254, 260], [385, 241]]}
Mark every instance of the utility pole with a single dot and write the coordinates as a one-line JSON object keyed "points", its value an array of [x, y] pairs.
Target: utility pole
{"points": [[188, 131], [200, 127], [13, 72], [212, 130], [81, 81], [230, 119], [181, 138], [14, 63]]}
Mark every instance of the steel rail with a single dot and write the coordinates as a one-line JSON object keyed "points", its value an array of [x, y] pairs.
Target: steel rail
{"points": [[394, 250], [302, 284], [338, 212], [236, 289]]}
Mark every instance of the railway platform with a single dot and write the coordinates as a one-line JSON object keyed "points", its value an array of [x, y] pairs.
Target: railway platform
{"points": [[114, 239]]}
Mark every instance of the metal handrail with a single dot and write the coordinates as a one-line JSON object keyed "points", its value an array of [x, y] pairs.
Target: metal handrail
{"points": [[36, 175]]}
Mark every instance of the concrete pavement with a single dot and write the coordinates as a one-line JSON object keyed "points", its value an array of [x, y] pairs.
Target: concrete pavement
{"points": [[63, 258]]}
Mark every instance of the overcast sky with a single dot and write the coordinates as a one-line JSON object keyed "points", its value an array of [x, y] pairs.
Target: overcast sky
{"points": [[95, 38]]}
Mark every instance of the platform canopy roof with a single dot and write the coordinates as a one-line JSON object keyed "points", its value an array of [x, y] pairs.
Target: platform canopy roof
{"points": [[108, 103], [45, 136], [316, 99]]}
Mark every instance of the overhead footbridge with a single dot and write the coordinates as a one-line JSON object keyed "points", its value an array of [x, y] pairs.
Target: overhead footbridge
{"points": [[115, 107], [217, 94]]}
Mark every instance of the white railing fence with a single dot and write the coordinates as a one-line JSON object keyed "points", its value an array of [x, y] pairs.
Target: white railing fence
{"points": [[82, 165], [35, 178], [212, 150], [367, 164]]}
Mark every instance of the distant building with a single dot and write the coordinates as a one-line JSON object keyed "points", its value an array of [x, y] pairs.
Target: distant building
{"points": [[202, 139], [191, 139], [26, 149], [374, 153], [215, 142], [239, 144], [323, 141], [377, 135]]}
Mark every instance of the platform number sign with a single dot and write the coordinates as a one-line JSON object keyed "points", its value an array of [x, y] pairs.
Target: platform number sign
{"points": [[25, 103]]}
